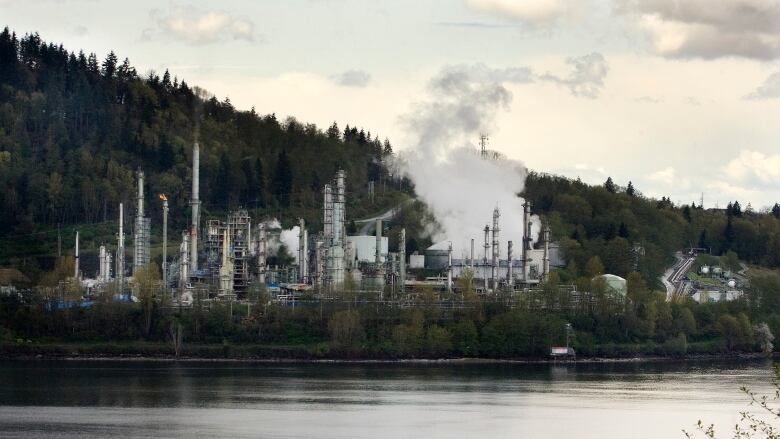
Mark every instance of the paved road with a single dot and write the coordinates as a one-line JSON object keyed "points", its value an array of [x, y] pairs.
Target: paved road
{"points": [[674, 278]]}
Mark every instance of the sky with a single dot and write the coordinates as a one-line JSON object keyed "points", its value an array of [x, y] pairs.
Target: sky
{"points": [[681, 97]]}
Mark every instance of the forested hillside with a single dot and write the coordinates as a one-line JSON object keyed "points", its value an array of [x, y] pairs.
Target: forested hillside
{"points": [[629, 232], [74, 128]]}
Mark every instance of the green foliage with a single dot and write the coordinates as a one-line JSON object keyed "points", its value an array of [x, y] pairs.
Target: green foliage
{"points": [[345, 329], [73, 130]]}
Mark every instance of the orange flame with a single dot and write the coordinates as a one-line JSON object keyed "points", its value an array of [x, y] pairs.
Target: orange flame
{"points": [[163, 197]]}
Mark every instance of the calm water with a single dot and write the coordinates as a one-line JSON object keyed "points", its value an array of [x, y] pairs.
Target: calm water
{"points": [[162, 400]]}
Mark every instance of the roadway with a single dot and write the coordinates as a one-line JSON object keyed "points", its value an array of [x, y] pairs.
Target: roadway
{"points": [[674, 277]]}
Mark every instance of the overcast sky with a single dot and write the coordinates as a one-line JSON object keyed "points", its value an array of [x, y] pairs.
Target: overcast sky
{"points": [[680, 96]]}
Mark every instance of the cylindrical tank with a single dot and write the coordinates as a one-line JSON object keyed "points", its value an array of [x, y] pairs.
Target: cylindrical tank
{"points": [[436, 259]]}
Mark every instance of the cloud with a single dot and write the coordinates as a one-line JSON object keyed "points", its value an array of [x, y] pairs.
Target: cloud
{"points": [[533, 12], [754, 167], [352, 78], [587, 76], [648, 100], [194, 26], [668, 177], [80, 30], [770, 89], [709, 29]]}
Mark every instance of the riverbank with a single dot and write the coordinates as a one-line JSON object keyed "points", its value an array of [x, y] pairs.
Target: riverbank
{"points": [[210, 353]]}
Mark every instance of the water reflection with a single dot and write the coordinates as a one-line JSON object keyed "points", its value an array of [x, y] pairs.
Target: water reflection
{"points": [[154, 399]]}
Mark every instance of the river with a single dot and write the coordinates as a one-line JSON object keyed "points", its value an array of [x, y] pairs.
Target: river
{"points": [[96, 399]]}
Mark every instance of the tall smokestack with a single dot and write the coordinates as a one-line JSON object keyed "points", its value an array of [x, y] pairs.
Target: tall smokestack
{"points": [[509, 270], [165, 242], [327, 214], [449, 268], [120, 250], [402, 257], [496, 254], [102, 264], [471, 259], [485, 262], [378, 257], [261, 246], [141, 194], [76, 268], [302, 251], [546, 259], [195, 203], [526, 239], [141, 231], [339, 220]]}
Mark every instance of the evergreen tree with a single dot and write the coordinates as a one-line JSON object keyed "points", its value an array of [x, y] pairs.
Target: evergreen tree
{"points": [[282, 183], [388, 149], [166, 80], [703, 239], [109, 65], [687, 213], [260, 181], [333, 132], [609, 185], [630, 190], [623, 230], [92, 64], [776, 210], [736, 209], [728, 235]]}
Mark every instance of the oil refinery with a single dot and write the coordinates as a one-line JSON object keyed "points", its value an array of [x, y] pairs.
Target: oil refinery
{"points": [[227, 259]]}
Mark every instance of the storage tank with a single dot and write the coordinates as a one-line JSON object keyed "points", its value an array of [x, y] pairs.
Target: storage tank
{"points": [[437, 256]]}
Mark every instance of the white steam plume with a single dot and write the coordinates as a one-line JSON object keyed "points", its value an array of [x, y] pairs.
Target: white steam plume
{"points": [[460, 187], [277, 236]]}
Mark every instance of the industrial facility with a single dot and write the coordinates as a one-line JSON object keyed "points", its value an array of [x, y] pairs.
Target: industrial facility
{"points": [[227, 259]]}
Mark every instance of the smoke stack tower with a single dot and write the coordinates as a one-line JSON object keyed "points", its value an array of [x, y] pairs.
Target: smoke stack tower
{"points": [[120, 250], [496, 254], [526, 239], [509, 269], [485, 262], [261, 246], [195, 204], [402, 258], [165, 241], [141, 235], [378, 255], [546, 258], [76, 267], [303, 252]]}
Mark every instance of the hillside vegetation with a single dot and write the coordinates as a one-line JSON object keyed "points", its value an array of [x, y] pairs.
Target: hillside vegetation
{"points": [[74, 128], [631, 232]]}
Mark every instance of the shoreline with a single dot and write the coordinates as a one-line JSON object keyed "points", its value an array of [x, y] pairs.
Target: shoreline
{"points": [[387, 361]]}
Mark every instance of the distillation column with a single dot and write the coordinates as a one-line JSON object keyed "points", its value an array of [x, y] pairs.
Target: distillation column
{"points": [[195, 204], [510, 279], [496, 254], [120, 251], [76, 266], [526, 240]]}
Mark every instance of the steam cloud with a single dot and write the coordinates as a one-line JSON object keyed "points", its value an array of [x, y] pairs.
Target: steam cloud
{"points": [[276, 237], [460, 188]]}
